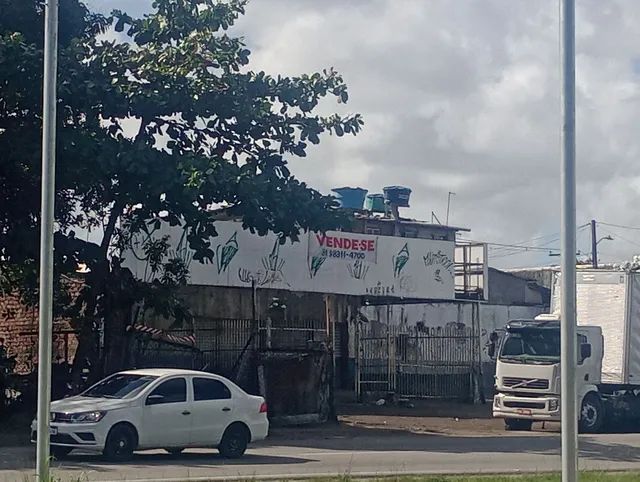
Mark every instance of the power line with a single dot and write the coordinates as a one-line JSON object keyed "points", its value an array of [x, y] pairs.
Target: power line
{"points": [[521, 245], [618, 235], [517, 246], [633, 228]]}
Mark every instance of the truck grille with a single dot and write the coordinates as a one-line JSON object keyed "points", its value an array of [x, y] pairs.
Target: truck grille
{"points": [[531, 383], [539, 405]]}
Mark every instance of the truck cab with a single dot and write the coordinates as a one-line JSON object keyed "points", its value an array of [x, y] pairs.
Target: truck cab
{"points": [[527, 377]]}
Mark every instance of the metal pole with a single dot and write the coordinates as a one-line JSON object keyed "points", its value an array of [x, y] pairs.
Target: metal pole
{"points": [[594, 245], [568, 358], [449, 205], [46, 236]]}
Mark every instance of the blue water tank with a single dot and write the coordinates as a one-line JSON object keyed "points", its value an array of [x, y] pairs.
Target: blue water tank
{"points": [[397, 195], [375, 203], [350, 197]]}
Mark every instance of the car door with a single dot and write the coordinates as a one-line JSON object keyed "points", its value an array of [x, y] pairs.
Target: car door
{"points": [[212, 411], [167, 415]]}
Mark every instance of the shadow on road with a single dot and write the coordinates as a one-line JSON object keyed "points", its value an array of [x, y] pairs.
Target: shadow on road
{"points": [[348, 438], [201, 459], [297, 446]]}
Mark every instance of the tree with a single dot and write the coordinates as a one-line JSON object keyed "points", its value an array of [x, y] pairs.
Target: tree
{"points": [[166, 125]]}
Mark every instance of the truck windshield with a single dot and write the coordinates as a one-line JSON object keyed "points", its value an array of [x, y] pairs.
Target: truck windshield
{"points": [[543, 345]]}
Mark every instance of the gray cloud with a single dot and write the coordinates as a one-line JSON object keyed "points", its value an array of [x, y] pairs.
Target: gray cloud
{"points": [[464, 96]]}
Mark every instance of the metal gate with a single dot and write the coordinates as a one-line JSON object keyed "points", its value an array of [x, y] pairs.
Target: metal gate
{"points": [[417, 362]]}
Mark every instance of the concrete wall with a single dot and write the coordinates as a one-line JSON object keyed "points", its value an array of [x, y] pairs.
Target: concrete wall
{"points": [[543, 276], [405, 228], [508, 289], [227, 302]]}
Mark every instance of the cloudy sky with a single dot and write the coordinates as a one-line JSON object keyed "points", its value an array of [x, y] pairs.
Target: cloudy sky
{"points": [[463, 96]]}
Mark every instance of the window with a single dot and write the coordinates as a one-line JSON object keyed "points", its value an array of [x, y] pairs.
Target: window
{"points": [[209, 389], [410, 233], [171, 391]]}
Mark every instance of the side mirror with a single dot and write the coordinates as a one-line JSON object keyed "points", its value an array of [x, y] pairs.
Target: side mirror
{"points": [[493, 343], [585, 351], [155, 399]]}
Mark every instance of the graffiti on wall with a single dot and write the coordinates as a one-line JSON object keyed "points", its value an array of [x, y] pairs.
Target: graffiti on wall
{"points": [[226, 252], [315, 263], [358, 269], [272, 269], [441, 262], [333, 262], [400, 260]]}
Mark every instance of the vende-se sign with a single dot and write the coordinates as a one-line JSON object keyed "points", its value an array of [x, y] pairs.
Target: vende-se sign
{"points": [[337, 245]]}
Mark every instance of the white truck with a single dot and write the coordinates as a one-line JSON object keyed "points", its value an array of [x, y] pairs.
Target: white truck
{"points": [[608, 373]]}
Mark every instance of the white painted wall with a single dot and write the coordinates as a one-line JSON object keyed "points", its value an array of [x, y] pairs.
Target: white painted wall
{"points": [[369, 265]]}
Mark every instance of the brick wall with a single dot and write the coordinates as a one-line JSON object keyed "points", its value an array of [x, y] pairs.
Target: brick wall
{"points": [[19, 328]]}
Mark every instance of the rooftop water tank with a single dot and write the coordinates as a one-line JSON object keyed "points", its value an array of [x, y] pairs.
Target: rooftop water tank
{"points": [[350, 197], [374, 203], [397, 195]]}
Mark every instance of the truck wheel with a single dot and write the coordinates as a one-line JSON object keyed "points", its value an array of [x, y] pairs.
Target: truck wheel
{"points": [[517, 425], [591, 414]]}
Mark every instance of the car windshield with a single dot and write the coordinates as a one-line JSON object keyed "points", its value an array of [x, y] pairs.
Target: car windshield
{"points": [[120, 385], [532, 344]]}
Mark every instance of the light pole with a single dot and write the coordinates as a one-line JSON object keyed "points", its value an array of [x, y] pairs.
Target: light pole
{"points": [[594, 244], [45, 306], [568, 349]]}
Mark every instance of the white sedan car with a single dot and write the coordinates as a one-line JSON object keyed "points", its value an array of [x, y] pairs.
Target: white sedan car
{"points": [[157, 408]]}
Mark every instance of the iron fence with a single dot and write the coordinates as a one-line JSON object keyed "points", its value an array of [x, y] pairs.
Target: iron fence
{"points": [[223, 341], [409, 361]]}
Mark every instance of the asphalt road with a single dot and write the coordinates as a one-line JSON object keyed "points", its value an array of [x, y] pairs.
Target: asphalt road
{"points": [[374, 452]]}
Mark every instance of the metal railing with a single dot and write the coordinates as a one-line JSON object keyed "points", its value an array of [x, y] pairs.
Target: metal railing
{"points": [[413, 362], [223, 341]]}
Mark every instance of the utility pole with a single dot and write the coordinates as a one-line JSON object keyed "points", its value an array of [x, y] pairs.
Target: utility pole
{"points": [[594, 245], [449, 206], [568, 349], [46, 236]]}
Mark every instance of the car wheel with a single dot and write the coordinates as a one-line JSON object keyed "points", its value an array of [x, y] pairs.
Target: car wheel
{"points": [[234, 442], [121, 442], [517, 425], [58, 452], [591, 414], [174, 450]]}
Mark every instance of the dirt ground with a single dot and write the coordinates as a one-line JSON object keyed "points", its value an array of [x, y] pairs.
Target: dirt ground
{"points": [[426, 416]]}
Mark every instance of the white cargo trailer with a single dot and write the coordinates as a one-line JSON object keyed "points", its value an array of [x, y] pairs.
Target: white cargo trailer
{"points": [[608, 371], [610, 300]]}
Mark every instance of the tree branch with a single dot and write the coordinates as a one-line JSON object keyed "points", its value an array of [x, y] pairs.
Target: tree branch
{"points": [[117, 209], [109, 230]]}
